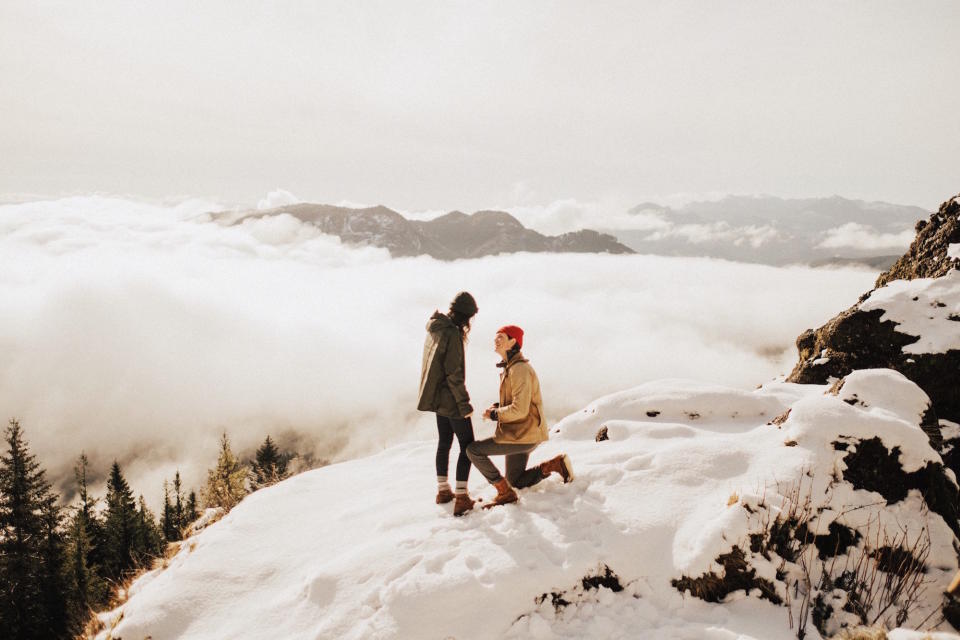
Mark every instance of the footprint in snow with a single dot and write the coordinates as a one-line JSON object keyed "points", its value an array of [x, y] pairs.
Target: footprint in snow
{"points": [[678, 431], [639, 463], [321, 590], [439, 561], [727, 465], [403, 568]]}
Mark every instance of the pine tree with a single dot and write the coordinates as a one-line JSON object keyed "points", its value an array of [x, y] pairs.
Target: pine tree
{"points": [[269, 467], [167, 519], [148, 539], [120, 526], [226, 483], [86, 590], [53, 584], [29, 544], [94, 526], [178, 513], [190, 513]]}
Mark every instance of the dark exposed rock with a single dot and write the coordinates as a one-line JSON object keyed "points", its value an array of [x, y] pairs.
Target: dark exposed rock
{"points": [[604, 578], [786, 537], [897, 560], [602, 434], [951, 610], [871, 466], [556, 599], [931, 426], [836, 541], [780, 419], [737, 575], [857, 339], [449, 237]]}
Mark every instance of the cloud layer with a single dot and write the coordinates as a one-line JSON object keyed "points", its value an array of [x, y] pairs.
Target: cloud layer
{"points": [[140, 332], [861, 236]]}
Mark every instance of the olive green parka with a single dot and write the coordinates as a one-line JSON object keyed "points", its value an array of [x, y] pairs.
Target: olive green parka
{"points": [[443, 372]]}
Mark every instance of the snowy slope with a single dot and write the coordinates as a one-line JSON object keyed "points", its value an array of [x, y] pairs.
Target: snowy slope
{"points": [[359, 549]]}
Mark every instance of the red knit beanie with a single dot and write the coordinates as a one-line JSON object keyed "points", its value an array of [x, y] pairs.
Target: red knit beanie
{"points": [[513, 331]]}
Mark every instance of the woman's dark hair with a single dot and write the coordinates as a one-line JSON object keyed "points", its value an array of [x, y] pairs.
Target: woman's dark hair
{"points": [[461, 320]]}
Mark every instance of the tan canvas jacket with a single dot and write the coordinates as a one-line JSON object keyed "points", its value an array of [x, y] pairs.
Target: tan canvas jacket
{"points": [[520, 415]]}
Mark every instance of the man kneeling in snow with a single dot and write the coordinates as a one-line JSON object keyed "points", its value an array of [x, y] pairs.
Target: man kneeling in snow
{"points": [[520, 425]]}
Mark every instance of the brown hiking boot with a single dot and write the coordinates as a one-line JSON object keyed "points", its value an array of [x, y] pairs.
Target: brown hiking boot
{"points": [[560, 464], [462, 505], [505, 494], [444, 496]]}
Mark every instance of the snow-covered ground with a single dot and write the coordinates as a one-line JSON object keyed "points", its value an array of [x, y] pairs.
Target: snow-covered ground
{"points": [[359, 549]]}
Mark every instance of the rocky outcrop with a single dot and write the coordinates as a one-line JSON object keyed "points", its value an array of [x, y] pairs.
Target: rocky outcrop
{"points": [[927, 256], [449, 237], [860, 337]]}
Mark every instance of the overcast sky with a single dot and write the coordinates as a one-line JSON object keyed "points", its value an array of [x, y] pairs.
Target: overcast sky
{"points": [[442, 105]]}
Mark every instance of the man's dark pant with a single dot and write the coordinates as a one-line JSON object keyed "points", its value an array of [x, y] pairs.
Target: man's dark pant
{"points": [[446, 427], [517, 455]]}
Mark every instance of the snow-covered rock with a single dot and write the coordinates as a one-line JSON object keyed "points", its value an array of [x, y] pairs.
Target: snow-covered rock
{"points": [[927, 308], [688, 473], [910, 322]]}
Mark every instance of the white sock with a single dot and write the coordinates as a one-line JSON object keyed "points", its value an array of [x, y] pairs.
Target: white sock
{"points": [[461, 488], [442, 483]]}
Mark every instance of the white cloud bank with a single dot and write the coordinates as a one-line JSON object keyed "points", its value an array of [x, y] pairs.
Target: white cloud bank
{"points": [[858, 236], [752, 235], [141, 331]]}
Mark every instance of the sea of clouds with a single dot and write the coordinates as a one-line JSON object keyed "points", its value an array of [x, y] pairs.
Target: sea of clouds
{"points": [[140, 332]]}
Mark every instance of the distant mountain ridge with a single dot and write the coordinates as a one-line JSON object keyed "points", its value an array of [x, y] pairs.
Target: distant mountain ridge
{"points": [[773, 230], [449, 237], [832, 231]]}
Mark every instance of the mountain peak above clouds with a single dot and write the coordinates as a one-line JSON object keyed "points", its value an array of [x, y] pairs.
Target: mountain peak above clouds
{"points": [[450, 236]]}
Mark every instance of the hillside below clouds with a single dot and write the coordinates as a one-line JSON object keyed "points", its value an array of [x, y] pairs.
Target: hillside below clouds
{"points": [[449, 237]]}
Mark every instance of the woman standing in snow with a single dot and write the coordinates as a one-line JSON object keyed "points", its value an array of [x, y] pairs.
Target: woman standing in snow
{"points": [[443, 391], [521, 426]]}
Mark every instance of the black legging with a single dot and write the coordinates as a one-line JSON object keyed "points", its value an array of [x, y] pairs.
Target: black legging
{"points": [[446, 427]]}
